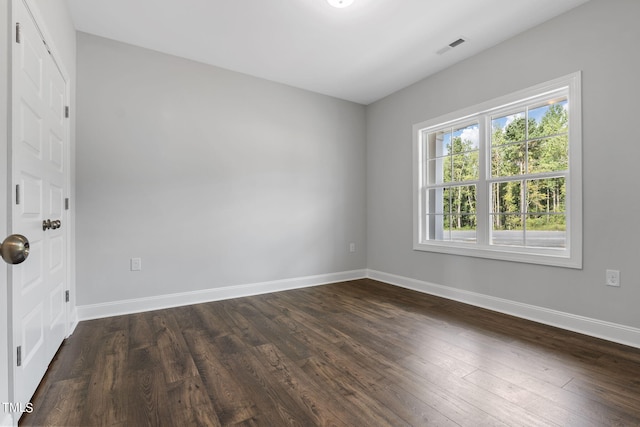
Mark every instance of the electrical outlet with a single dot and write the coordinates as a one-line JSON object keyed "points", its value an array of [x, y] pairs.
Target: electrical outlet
{"points": [[352, 247], [136, 264], [613, 277]]}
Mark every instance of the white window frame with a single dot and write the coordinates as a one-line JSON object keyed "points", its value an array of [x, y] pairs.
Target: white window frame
{"points": [[571, 255]]}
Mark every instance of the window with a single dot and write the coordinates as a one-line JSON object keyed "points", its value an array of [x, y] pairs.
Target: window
{"points": [[503, 179]]}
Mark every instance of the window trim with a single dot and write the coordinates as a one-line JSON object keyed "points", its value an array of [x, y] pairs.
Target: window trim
{"points": [[571, 256]]}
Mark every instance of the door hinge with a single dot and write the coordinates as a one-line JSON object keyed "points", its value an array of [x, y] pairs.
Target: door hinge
{"points": [[66, 204], [66, 112], [19, 355], [17, 194], [17, 32], [66, 296]]}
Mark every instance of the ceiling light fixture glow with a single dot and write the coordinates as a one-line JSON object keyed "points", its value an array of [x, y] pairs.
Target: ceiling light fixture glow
{"points": [[340, 3]]}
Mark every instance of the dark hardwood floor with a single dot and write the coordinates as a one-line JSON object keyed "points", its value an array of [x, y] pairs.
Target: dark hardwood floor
{"points": [[358, 353]]}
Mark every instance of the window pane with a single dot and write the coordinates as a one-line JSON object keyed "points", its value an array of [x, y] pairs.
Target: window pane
{"points": [[459, 228], [439, 227], [548, 119], [546, 195], [508, 160], [507, 230], [463, 199], [439, 170], [463, 228], [446, 200], [549, 155], [546, 222], [465, 166], [509, 128], [447, 175], [546, 231], [446, 142], [466, 139], [506, 196], [438, 144], [439, 200]]}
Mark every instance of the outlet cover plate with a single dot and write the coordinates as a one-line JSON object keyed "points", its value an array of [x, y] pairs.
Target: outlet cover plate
{"points": [[613, 277]]}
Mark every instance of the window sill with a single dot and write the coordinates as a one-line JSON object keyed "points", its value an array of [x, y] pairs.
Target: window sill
{"points": [[549, 257]]}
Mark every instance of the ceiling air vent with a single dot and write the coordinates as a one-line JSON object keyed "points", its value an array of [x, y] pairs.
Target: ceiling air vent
{"points": [[451, 45]]}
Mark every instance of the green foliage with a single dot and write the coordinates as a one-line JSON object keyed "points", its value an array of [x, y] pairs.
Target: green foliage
{"points": [[529, 147], [520, 144], [460, 200]]}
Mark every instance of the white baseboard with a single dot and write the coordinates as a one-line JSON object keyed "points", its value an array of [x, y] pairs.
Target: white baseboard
{"points": [[597, 328], [73, 322], [138, 305]]}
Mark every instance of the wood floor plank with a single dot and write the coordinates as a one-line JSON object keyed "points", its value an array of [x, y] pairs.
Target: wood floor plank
{"points": [[294, 316], [105, 401], [146, 389], [528, 400], [231, 405], [238, 324], [66, 405], [353, 353], [457, 410], [271, 332], [78, 353], [190, 403], [274, 405], [491, 403], [140, 332], [622, 398], [175, 358], [359, 403], [323, 407], [358, 379]]}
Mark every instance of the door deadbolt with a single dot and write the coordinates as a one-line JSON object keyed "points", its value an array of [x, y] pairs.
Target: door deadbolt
{"points": [[14, 249]]}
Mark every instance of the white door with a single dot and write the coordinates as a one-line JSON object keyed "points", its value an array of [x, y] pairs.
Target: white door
{"points": [[39, 161]]}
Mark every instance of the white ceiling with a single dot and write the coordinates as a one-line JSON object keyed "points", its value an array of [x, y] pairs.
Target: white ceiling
{"points": [[361, 53]]}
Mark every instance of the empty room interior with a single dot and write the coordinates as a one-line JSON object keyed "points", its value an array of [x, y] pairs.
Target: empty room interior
{"points": [[319, 212]]}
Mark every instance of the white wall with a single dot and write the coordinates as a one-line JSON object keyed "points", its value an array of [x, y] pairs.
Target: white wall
{"points": [[601, 39], [213, 178]]}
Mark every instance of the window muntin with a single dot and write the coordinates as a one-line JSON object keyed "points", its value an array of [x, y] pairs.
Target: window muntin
{"points": [[504, 182]]}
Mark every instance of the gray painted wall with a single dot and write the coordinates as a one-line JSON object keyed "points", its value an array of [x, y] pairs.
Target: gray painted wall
{"points": [[213, 178], [600, 38]]}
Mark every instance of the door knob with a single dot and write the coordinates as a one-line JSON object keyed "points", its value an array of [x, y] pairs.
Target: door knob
{"points": [[53, 225], [14, 249]]}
